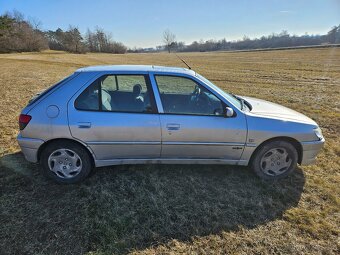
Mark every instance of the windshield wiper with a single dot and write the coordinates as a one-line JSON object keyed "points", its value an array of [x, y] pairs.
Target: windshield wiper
{"points": [[240, 100]]}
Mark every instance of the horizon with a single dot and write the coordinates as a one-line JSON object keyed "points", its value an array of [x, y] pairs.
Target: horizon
{"points": [[141, 24]]}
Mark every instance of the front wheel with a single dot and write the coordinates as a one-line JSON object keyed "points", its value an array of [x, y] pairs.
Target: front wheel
{"points": [[65, 162], [275, 160]]}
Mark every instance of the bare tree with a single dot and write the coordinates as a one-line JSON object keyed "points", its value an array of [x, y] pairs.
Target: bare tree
{"points": [[333, 35], [169, 39], [101, 41], [34, 23]]}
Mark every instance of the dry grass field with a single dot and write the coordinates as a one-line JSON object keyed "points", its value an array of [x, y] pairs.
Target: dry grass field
{"points": [[170, 209]]}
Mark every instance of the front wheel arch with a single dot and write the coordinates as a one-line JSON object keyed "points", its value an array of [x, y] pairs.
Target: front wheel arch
{"points": [[290, 140]]}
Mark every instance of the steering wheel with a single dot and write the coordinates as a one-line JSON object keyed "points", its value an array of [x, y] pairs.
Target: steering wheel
{"points": [[200, 100]]}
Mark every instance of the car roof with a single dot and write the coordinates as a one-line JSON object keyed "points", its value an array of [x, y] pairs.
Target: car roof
{"points": [[135, 68]]}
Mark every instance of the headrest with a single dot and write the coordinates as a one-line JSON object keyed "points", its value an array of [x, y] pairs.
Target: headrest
{"points": [[137, 89]]}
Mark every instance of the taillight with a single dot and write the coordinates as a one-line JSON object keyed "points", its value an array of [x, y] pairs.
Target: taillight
{"points": [[24, 120]]}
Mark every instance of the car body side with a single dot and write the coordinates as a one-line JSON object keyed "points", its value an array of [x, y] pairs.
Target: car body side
{"points": [[257, 129]]}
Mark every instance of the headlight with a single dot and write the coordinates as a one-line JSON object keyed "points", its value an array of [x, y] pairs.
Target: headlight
{"points": [[318, 133]]}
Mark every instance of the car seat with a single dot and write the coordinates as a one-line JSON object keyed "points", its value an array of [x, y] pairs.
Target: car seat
{"points": [[138, 97]]}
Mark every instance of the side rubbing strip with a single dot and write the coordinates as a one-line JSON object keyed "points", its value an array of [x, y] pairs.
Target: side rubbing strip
{"points": [[123, 143], [203, 143]]}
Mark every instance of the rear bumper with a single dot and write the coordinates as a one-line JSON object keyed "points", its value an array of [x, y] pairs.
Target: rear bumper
{"points": [[29, 147], [310, 151]]}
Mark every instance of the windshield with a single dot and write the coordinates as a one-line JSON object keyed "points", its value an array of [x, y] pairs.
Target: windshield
{"points": [[231, 98]]}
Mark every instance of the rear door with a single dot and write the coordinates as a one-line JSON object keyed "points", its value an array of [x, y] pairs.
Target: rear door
{"points": [[116, 117], [193, 123]]}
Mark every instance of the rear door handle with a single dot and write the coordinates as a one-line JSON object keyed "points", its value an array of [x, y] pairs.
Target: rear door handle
{"points": [[84, 124], [173, 126]]}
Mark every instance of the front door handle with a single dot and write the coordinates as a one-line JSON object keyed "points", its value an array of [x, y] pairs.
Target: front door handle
{"points": [[173, 126], [84, 124]]}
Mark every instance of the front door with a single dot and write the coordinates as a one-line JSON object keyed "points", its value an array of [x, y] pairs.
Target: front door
{"points": [[193, 123], [116, 117]]}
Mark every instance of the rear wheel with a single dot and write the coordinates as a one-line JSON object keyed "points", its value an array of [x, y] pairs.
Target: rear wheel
{"points": [[275, 160], [65, 162]]}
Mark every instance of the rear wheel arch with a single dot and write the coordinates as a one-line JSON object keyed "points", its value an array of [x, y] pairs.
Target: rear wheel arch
{"points": [[47, 143], [290, 140]]}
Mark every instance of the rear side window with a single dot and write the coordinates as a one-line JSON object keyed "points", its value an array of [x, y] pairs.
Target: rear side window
{"points": [[124, 83], [118, 93]]}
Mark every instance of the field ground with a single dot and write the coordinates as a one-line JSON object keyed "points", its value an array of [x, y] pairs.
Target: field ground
{"points": [[175, 208]]}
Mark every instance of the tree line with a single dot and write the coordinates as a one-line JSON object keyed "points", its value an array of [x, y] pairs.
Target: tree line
{"points": [[283, 39], [71, 40], [19, 35]]}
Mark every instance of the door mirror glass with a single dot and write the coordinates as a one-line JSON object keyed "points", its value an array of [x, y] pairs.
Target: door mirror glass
{"points": [[229, 112]]}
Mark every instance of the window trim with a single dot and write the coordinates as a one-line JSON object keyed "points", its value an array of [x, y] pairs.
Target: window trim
{"points": [[99, 79], [224, 105]]}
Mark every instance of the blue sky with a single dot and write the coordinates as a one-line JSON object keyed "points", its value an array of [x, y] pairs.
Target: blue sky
{"points": [[141, 23]]}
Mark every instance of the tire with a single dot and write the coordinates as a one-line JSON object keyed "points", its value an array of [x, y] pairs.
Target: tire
{"points": [[275, 160], [65, 162]]}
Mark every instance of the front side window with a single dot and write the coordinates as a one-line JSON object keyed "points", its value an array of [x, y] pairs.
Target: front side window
{"points": [[228, 96], [182, 95], [118, 93]]}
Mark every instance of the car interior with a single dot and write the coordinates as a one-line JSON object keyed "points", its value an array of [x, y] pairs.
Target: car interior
{"points": [[114, 99], [200, 101]]}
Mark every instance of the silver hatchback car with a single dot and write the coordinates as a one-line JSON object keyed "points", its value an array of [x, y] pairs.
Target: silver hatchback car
{"points": [[110, 115]]}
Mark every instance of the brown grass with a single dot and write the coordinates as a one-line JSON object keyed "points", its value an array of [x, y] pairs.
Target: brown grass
{"points": [[174, 208]]}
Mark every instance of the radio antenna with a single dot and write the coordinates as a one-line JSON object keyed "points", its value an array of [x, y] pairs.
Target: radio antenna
{"points": [[183, 61]]}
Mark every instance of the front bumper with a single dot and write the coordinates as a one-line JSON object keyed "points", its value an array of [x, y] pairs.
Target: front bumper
{"points": [[29, 147], [310, 150]]}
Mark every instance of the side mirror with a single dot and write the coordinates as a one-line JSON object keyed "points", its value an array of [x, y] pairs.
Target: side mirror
{"points": [[229, 112]]}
